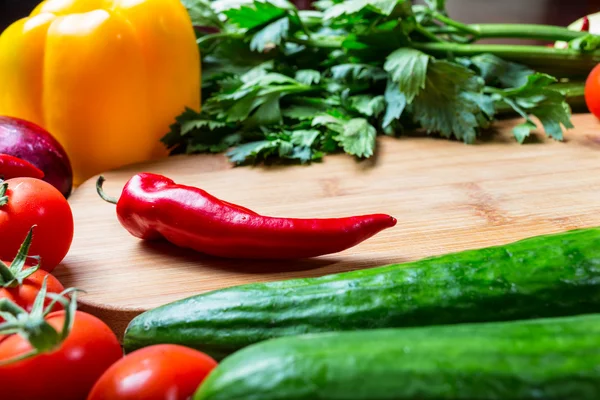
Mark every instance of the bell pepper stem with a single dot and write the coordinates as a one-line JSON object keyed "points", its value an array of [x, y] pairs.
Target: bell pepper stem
{"points": [[101, 192]]}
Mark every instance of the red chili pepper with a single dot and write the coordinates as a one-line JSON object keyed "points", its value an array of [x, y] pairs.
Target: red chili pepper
{"points": [[13, 167], [153, 207], [585, 27]]}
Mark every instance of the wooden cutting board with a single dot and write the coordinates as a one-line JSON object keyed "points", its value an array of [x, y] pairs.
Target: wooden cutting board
{"points": [[447, 196]]}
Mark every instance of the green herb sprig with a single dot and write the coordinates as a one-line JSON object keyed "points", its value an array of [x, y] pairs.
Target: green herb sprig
{"points": [[280, 83]]}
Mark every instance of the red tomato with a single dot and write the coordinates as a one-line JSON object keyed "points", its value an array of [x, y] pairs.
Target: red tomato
{"points": [[67, 373], [592, 91], [35, 202], [24, 294], [159, 372]]}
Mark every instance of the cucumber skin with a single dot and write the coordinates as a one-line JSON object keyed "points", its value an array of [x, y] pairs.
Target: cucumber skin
{"points": [[549, 359], [543, 276]]}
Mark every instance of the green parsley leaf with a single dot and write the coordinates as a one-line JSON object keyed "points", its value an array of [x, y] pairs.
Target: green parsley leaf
{"points": [[438, 5], [193, 124], [284, 4], [329, 121], [267, 113], [304, 154], [357, 72], [522, 131], [301, 112], [348, 7], [408, 67], [323, 5], [257, 90], [368, 105], [533, 87], [304, 137], [241, 108], [285, 149], [329, 144], [308, 76], [443, 106], [396, 102], [554, 116], [494, 69], [536, 97], [358, 137], [243, 152], [282, 83], [294, 145], [220, 146], [254, 74], [202, 14], [254, 15], [382, 39], [484, 102], [187, 123], [270, 35], [587, 43]]}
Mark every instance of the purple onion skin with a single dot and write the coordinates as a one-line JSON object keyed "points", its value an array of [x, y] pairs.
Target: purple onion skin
{"points": [[32, 143]]}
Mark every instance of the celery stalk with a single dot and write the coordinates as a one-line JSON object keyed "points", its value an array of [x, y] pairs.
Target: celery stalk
{"points": [[525, 31], [558, 62]]}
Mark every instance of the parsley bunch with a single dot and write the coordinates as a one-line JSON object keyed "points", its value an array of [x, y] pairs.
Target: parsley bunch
{"points": [[280, 83]]}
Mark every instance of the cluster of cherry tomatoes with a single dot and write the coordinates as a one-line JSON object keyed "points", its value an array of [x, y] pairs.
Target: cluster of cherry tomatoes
{"points": [[88, 362]]}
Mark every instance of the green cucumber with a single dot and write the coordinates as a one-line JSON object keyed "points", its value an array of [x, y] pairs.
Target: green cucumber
{"points": [[544, 276], [541, 359]]}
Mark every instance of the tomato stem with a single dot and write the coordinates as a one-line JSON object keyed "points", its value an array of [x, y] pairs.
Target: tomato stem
{"points": [[6, 275], [10, 307], [101, 192], [3, 196], [33, 326], [15, 274]]}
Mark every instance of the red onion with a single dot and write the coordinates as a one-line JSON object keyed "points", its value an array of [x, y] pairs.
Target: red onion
{"points": [[32, 143]]}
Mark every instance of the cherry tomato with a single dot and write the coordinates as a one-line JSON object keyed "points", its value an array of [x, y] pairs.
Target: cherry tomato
{"points": [[592, 91], [158, 372], [24, 294], [69, 372], [35, 202]]}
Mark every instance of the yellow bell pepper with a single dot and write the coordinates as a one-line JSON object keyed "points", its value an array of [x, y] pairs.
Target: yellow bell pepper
{"points": [[105, 77]]}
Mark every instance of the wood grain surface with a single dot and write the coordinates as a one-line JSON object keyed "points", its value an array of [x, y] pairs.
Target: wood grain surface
{"points": [[447, 196]]}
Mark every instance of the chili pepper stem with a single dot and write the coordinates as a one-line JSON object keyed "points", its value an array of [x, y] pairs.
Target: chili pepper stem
{"points": [[101, 193]]}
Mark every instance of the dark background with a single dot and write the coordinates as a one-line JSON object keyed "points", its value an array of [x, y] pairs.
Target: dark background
{"points": [[559, 12]]}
